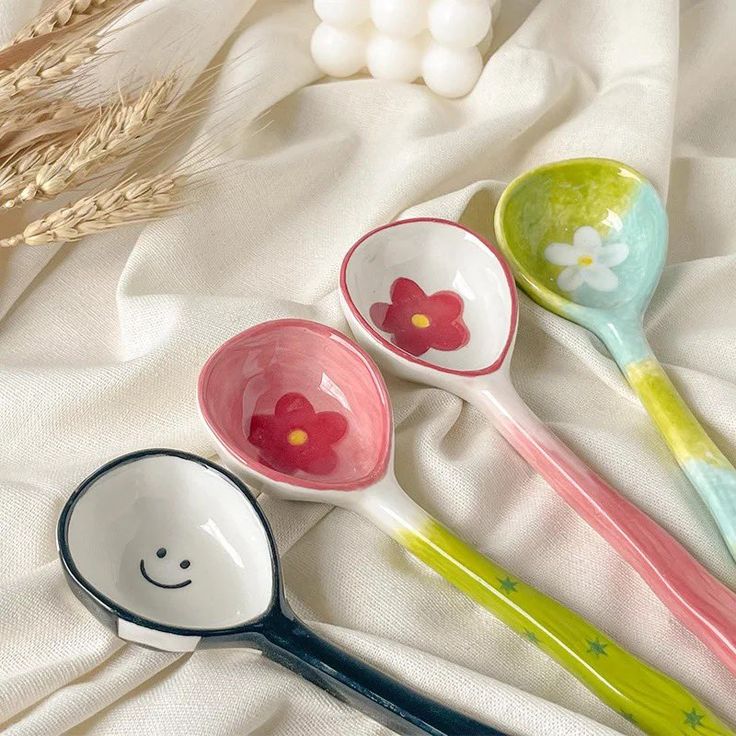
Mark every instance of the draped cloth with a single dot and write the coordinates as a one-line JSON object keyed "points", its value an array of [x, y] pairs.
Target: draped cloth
{"points": [[101, 343]]}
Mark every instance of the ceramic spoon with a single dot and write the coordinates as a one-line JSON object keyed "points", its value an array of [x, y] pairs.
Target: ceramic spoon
{"points": [[172, 552], [303, 413], [435, 303], [587, 239]]}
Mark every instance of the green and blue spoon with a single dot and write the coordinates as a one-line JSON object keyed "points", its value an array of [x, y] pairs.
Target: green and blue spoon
{"points": [[587, 240]]}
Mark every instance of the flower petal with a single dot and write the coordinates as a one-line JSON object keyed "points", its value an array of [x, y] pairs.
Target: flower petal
{"points": [[378, 313], [600, 278], [613, 254], [570, 278], [320, 463], [405, 290], [587, 239], [413, 340], [561, 254], [292, 402], [261, 429], [444, 306], [397, 317], [328, 426], [277, 460], [450, 336]]}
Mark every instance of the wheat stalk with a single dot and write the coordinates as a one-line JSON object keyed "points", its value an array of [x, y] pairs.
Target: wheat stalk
{"points": [[119, 129], [51, 64], [135, 200], [65, 14]]}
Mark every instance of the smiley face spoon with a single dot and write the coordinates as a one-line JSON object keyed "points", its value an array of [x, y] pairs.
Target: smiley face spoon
{"points": [[587, 239], [172, 552], [303, 413], [402, 276]]}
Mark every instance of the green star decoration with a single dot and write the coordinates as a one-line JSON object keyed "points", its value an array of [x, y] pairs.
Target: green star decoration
{"points": [[693, 719], [597, 648], [530, 636], [508, 585]]}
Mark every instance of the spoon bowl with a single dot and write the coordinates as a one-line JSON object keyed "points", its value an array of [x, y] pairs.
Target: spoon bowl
{"points": [[306, 424], [584, 235], [169, 542], [172, 552], [424, 314]]}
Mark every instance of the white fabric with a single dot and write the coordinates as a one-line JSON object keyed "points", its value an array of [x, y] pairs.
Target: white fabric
{"points": [[100, 345]]}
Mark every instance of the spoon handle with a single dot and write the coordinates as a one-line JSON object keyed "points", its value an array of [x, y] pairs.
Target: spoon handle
{"points": [[644, 696], [706, 467], [700, 602], [290, 643]]}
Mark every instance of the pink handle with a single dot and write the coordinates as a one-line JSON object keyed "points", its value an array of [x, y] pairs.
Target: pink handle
{"points": [[700, 602]]}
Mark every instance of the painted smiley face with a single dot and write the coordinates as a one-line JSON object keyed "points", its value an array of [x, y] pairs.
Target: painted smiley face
{"points": [[161, 552], [174, 543]]}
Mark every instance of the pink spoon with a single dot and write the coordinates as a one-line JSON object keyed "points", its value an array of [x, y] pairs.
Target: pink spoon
{"points": [[434, 303]]}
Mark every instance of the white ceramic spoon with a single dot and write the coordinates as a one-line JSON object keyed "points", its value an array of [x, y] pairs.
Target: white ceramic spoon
{"points": [[434, 303]]}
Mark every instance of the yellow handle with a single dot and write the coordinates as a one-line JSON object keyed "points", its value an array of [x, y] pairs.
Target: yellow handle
{"points": [[645, 697]]}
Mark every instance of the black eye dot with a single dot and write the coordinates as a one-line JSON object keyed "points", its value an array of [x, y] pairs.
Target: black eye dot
{"points": [[184, 564], [161, 552]]}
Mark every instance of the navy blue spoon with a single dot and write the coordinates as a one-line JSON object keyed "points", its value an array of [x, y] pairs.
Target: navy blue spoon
{"points": [[172, 552]]}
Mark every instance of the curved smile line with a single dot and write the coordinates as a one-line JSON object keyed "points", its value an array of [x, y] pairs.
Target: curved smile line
{"points": [[161, 585]]}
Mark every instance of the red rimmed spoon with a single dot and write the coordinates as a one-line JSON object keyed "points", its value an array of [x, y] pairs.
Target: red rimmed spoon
{"points": [[435, 303]]}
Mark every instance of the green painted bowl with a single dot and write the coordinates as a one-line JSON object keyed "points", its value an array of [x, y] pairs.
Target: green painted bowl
{"points": [[586, 238]]}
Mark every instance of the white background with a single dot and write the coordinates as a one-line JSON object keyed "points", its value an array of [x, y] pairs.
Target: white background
{"points": [[100, 345]]}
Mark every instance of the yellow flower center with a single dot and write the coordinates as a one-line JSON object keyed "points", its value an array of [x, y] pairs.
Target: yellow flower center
{"points": [[420, 320], [297, 437], [585, 261]]}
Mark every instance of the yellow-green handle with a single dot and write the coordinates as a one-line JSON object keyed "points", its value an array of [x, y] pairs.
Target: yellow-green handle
{"points": [[642, 695], [705, 465]]}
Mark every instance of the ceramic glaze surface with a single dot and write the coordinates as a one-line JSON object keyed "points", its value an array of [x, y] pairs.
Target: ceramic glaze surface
{"points": [[559, 224], [174, 543], [298, 403], [402, 41], [400, 282]]}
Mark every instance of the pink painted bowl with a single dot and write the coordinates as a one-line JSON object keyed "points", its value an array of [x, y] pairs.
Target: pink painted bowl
{"points": [[283, 415]]}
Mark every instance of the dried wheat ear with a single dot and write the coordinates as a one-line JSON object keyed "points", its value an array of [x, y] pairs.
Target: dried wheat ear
{"points": [[49, 146], [135, 200]]}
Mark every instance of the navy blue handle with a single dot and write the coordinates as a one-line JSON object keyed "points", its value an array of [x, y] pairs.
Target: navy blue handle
{"points": [[290, 643]]}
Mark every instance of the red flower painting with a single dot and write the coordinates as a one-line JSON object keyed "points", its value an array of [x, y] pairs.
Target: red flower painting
{"points": [[418, 322], [296, 437]]}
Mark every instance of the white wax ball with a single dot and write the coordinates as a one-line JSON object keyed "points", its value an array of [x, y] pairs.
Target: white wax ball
{"points": [[397, 59], [451, 72], [461, 23], [339, 52], [343, 13], [404, 18]]}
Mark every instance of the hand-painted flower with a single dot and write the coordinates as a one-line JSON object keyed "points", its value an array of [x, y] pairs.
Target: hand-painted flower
{"points": [[295, 437], [418, 322], [587, 260]]}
